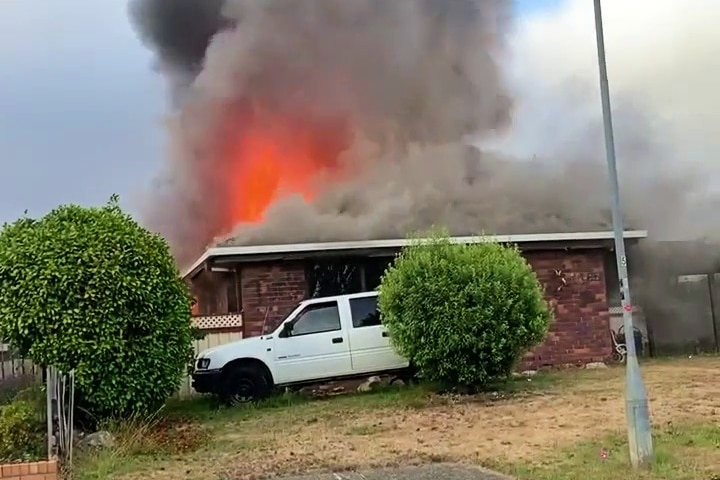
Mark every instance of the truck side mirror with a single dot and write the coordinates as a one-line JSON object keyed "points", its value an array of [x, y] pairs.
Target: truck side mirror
{"points": [[287, 329]]}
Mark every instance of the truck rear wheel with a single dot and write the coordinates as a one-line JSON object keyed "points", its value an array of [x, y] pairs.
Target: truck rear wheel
{"points": [[244, 384]]}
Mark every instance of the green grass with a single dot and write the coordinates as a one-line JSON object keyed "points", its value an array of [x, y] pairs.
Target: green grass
{"points": [[194, 438], [683, 452], [208, 411], [139, 447]]}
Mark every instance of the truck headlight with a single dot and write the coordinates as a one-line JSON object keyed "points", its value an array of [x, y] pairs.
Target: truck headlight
{"points": [[202, 363]]}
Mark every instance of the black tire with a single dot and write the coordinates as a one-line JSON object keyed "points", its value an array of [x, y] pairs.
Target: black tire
{"points": [[410, 376], [244, 384]]}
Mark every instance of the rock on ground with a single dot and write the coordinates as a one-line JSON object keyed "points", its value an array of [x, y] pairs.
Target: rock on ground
{"points": [[370, 384], [595, 366], [101, 440]]}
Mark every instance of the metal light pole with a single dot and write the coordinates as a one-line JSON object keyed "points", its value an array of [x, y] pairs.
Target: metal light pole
{"points": [[636, 402]]}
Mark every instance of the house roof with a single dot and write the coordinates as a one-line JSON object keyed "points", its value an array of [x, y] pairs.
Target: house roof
{"points": [[370, 247]]}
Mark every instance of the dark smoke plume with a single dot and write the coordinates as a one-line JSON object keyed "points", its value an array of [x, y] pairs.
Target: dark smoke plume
{"points": [[400, 76], [413, 82], [180, 32]]}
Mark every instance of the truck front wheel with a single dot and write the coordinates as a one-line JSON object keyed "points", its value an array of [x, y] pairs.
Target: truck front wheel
{"points": [[244, 384]]}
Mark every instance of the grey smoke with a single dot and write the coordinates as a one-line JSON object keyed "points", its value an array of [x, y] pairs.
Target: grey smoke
{"points": [[413, 81], [396, 74]]}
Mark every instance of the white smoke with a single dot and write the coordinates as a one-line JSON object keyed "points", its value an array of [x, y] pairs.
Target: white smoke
{"points": [[663, 61]]}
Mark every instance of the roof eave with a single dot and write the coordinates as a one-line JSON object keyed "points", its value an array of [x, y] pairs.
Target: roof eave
{"points": [[284, 250]]}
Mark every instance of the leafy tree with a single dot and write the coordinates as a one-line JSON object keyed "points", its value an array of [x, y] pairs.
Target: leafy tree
{"points": [[91, 290], [462, 314]]}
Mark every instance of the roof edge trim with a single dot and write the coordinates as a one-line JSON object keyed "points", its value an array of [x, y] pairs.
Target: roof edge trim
{"points": [[224, 251]]}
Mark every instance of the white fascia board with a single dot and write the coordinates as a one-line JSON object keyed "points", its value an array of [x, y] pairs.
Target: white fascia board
{"points": [[229, 251]]}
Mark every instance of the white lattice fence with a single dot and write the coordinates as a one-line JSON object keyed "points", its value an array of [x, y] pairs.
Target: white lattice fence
{"points": [[216, 322], [219, 330]]}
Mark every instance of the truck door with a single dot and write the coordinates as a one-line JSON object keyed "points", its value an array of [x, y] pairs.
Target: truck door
{"points": [[316, 346], [371, 348]]}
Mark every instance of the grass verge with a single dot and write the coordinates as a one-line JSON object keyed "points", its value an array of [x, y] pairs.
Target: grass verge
{"points": [[682, 452], [549, 426], [188, 430]]}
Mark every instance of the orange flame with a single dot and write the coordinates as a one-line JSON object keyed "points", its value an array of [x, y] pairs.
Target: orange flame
{"points": [[269, 164]]}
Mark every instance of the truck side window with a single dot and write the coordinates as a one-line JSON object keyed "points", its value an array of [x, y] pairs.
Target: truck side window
{"points": [[364, 312], [317, 318]]}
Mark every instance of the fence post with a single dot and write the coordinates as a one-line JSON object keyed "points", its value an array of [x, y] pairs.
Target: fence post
{"points": [[49, 411]]}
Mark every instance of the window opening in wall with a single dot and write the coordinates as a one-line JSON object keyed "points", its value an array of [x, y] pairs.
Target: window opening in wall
{"points": [[374, 270], [233, 303], [327, 278], [216, 293]]}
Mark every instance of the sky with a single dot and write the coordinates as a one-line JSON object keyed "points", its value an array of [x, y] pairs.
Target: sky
{"points": [[81, 110]]}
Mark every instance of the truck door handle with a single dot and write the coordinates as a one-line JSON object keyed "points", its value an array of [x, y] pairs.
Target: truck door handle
{"points": [[385, 334], [337, 340]]}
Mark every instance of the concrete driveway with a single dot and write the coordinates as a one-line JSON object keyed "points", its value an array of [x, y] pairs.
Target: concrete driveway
{"points": [[426, 472]]}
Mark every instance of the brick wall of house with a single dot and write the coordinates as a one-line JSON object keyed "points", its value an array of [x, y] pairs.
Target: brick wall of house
{"points": [[269, 291], [574, 283]]}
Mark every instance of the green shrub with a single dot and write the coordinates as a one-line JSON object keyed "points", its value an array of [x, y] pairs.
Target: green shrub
{"points": [[462, 314], [22, 431], [91, 290]]}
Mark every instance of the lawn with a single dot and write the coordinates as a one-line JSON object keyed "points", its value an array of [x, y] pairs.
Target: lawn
{"points": [[563, 425]]}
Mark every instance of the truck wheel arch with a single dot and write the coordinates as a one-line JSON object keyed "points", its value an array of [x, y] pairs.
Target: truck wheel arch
{"points": [[250, 362]]}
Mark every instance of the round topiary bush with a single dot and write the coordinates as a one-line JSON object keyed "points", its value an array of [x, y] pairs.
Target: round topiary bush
{"points": [[463, 315], [91, 290]]}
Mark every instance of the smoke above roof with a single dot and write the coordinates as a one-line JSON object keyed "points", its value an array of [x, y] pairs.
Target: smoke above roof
{"points": [[320, 120]]}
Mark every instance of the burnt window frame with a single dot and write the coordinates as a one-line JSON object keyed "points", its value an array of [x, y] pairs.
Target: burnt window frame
{"points": [[363, 267]]}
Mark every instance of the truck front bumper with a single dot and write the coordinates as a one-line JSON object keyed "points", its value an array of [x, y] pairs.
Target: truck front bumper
{"points": [[206, 381]]}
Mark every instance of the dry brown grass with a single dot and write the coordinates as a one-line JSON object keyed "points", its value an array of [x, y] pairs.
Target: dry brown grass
{"points": [[526, 428]]}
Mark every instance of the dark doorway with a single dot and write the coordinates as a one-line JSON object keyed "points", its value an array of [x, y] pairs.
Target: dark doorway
{"points": [[686, 321]]}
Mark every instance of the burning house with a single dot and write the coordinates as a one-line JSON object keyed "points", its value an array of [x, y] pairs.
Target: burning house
{"points": [[249, 289], [304, 134]]}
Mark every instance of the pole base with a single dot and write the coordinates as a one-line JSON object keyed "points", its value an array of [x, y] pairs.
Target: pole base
{"points": [[638, 417]]}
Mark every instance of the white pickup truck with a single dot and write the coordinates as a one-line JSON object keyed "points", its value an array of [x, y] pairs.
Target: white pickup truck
{"points": [[322, 339]]}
